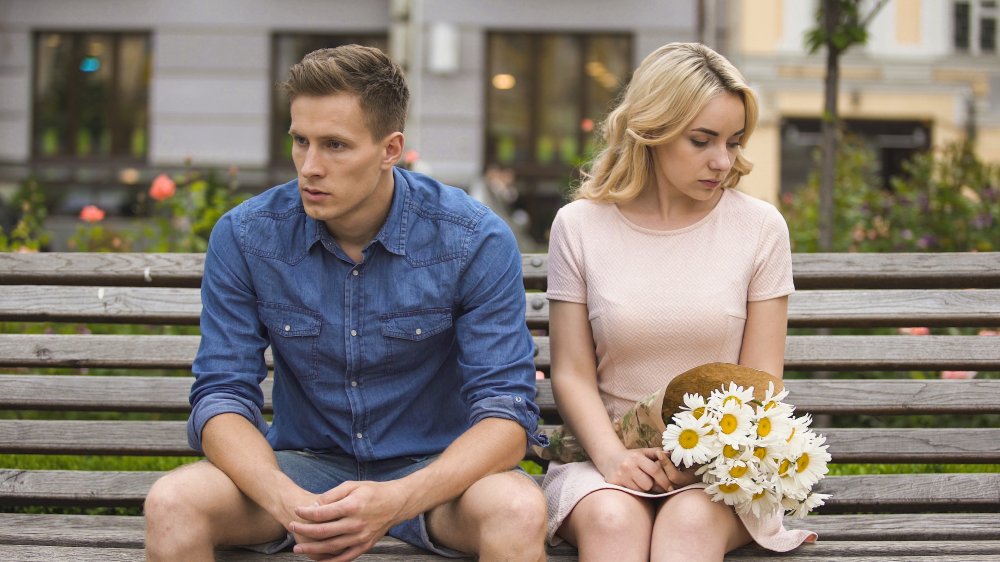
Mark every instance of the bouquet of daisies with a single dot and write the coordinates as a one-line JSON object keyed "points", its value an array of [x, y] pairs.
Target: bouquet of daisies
{"points": [[754, 454]]}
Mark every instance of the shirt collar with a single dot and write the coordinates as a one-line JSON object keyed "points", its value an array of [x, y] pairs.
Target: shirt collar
{"points": [[392, 235]]}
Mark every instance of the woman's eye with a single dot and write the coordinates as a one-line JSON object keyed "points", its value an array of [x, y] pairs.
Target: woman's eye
{"points": [[699, 143]]}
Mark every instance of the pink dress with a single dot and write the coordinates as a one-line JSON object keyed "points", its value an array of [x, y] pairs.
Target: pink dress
{"points": [[660, 303]]}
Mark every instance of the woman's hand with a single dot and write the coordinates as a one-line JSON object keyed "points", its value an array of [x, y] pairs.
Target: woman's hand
{"points": [[679, 477], [637, 469]]}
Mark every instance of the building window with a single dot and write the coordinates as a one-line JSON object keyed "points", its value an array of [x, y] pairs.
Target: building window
{"points": [[91, 93], [975, 26], [288, 49], [893, 142], [546, 93]]}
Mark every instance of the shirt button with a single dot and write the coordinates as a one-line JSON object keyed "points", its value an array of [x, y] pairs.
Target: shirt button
{"points": [[354, 383], [354, 332], [360, 436], [517, 399], [354, 273], [288, 328], [419, 331]]}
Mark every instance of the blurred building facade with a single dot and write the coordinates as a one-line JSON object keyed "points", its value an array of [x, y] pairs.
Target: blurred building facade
{"points": [[99, 96]]}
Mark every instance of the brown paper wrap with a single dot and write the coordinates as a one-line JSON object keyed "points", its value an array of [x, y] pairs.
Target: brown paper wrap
{"points": [[643, 425]]}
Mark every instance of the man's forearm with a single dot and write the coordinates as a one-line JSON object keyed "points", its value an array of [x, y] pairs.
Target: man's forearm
{"points": [[237, 448], [490, 446]]}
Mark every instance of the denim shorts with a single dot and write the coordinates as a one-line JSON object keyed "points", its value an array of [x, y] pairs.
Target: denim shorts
{"points": [[320, 472]]}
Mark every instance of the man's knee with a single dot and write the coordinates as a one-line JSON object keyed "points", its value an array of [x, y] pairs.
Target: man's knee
{"points": [[516, 515]]}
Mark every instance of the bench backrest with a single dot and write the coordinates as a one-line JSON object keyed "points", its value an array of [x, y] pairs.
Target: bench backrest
{"points": [[90, 334]]}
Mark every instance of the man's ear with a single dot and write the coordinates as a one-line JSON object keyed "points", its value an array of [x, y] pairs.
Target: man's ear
{"points": [[393, 146]]}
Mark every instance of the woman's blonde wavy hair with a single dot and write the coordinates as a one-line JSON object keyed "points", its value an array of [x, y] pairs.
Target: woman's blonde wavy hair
{"points": [[668, 90]]}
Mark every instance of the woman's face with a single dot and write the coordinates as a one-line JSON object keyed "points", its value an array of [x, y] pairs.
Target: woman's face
{"points": [[694, 164]]}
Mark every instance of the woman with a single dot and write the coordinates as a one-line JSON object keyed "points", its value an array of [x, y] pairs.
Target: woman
{"points": [[659, 266]]}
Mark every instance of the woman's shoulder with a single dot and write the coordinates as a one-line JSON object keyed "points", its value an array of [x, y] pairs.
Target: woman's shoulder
{"points": [[753, 208], [585, 210]]}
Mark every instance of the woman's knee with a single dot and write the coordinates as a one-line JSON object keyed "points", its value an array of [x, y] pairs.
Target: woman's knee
{"points": [[520, 510], [610, 513]]}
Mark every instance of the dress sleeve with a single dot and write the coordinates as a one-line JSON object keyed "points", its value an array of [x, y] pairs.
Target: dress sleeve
{"points": [[567, 280], [772, 275]]}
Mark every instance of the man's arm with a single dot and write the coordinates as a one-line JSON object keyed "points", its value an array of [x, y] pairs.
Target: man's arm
{"points": [[237, 448], [352, 517]]}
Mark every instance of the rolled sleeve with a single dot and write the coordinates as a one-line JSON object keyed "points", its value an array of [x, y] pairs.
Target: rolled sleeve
{"points": [[229, 366], [515, 408], [496, 351]]}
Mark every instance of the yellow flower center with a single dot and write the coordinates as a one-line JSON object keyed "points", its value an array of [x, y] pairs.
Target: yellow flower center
{"points": [[760, 452], [789, 440], [764, 427], [688, 439], [729, 488], [783, 467], [730, 452], [728, 398], [728, 423], [802, 463], [759, 495], [769, 405], [698, 412], [738, 471]]}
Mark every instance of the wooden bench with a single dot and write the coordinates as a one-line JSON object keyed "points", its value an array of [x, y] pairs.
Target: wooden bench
{"points": [[56, 390]]}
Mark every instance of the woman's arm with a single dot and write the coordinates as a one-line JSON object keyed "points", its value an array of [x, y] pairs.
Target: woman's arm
{"points": [[764, 336], [574, 386]]}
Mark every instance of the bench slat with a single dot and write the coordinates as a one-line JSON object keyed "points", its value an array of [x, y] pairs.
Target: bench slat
{"points": [[880, 532], [871, 551], [178, 306], [816, 396], [830, 353], [142, 305], [893, 493], [811, 271], [167, 438]]}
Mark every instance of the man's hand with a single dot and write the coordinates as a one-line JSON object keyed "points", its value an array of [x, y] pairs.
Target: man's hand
{"points": [[638, 469], [347, 521]]}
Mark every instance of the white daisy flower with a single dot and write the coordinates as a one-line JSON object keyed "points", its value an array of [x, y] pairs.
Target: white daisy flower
{"points": [[734, 422], [772, 400], [735, 393], [731, 492], [801, 508], [811, 463], [695, 403], [773, 425], [688, 440], [765, 501]]}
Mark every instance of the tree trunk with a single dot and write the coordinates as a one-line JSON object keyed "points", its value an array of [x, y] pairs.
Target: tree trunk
{"points": [[829, 128]]}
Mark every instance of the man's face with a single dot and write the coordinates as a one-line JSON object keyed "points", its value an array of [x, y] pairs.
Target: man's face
{"points": [[345, 176]]}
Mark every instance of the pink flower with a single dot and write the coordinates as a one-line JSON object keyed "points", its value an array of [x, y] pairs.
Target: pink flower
{"points": [[91, 213], [539, 375], [410, 157], [985, 332], [958, 374], [163, 188], [919, 331]]}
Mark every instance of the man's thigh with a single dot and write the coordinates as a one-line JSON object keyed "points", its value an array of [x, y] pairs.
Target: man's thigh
{"points": [[457, 524], [201, 494]]}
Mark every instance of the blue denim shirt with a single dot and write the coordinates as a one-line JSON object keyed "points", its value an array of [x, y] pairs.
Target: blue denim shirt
{"points": [[395, 356]]}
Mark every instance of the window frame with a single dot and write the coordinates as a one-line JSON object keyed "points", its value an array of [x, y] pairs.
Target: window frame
{"points": [[119, 134]]}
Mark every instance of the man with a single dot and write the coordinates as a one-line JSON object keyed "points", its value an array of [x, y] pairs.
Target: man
{"points": [[403, 373]]}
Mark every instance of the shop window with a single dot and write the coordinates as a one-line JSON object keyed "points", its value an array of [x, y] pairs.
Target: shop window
{"points": [[91, 93], [546, 94]]}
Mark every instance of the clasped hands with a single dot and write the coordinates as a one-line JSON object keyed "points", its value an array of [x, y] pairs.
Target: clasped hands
{"points": [[347, 521], [645, 470]]}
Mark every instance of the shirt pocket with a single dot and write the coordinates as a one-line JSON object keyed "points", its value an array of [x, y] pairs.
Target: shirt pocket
{"points": [[294, 333], [414, 336], [732, 340]]}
